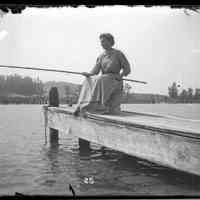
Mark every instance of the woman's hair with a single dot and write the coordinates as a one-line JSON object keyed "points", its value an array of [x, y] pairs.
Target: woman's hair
{"points": [[109, 37]]}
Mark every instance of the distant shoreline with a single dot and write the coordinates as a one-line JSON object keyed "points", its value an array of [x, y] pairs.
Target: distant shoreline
{"points": [[133, 98], [23, 99], [63, 102]]}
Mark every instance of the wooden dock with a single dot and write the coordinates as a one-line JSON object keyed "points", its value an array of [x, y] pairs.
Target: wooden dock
{"points": [[163, 140]]}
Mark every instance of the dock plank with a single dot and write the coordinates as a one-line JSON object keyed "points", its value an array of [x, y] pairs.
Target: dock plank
{"points": [[159, 122], [153, 120]]}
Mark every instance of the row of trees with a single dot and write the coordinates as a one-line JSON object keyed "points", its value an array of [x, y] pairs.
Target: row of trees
{"points": [[20, 85], [26, 86], [189, 95], [72, 94]]}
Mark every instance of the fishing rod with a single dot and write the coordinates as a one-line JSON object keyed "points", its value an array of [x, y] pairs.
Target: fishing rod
{"points": [[62, 71]]}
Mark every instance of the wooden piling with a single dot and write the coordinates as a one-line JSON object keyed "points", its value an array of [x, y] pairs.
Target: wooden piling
{"points": [[53, 102], [84, 147]]}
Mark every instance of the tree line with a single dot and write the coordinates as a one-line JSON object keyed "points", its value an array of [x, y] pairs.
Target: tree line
{"points": [[33, 91], [16, 89], [189, 95], [16, 84]]}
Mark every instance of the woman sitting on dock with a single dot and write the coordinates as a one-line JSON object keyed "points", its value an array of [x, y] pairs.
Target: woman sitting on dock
{"points": [[102, 94]]}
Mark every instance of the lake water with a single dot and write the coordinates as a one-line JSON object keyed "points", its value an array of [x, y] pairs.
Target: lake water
{"points": [[29, 166]]}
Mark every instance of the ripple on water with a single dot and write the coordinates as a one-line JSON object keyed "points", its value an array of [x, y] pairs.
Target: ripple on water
{"points": [[28, 166]]}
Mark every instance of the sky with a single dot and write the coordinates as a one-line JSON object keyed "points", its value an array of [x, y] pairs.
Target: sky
{"points": [[161, 44]]}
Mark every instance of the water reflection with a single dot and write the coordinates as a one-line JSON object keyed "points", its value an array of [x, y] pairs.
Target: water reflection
{"points": [[29, 167], [52, 155], [125, 174], [100, 170]]}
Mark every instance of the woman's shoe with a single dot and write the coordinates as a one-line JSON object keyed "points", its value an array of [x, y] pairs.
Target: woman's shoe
{"points": [[76, 112]]}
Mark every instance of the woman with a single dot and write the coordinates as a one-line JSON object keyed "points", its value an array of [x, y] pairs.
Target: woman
{"points": [[102, 94]]}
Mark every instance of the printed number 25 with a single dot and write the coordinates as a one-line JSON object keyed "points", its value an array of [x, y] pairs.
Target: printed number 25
{"points": [[89, 180]]}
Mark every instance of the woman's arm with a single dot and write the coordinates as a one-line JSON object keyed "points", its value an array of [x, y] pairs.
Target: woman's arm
{"points": [[95, 70], [125, 65], [97, 67]]}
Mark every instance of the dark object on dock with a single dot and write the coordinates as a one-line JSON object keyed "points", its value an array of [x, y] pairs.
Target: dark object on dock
{"points": [[53, 97], [84, 145], [53, 102]]}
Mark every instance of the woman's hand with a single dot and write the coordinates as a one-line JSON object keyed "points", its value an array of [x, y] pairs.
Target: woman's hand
{"points": [[120, 77], [86, 74]]}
